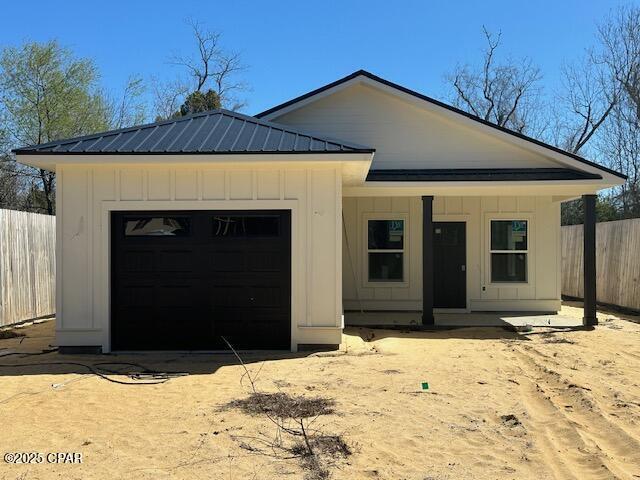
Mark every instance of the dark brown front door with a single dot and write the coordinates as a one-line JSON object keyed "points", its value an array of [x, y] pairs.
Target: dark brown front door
{"points": [[449, 269], [182, 280]]}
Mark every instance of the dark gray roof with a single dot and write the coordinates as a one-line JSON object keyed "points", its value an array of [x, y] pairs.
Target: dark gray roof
{"points": [[478, 175], [212, 132]]}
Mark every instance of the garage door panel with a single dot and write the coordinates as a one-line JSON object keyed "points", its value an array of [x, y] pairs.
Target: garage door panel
{"points": [[175, 260], [189, 290], [228, 261], [228, 296], [265, 261], [183, 296], [137, 261], [137, 296], [264, 296]]}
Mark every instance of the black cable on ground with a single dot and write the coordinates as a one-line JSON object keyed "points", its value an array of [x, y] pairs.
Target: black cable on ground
{"points": [[155, 377]]}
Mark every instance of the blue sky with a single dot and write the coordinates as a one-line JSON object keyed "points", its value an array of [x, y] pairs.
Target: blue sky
{"points": [[294, 46]]}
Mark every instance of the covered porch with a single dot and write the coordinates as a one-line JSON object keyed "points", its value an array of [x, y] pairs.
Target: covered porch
{"points": [[452, 261]]}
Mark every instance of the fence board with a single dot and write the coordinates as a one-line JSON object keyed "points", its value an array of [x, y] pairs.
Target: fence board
{"points": [[617, 262], [27, 266]]}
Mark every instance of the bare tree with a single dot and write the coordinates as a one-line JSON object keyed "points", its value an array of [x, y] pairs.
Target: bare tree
{"points": [[620, 40], [620, 146], [10, 184], [505, 94], [129, 109], [620, 143], [168, 96], [600, 106], [609, 74], [213, 66], [588, 98]]}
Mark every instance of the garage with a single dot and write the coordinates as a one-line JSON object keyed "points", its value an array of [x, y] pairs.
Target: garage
{"points": [[174, 234], [183, 280]]}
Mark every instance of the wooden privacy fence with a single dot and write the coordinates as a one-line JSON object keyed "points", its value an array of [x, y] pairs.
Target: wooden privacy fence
{"points": [[617, 262], [27, 266]]}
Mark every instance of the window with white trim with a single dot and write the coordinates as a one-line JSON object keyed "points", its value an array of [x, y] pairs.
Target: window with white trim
{"points": [[385, 250], [509, 251]]}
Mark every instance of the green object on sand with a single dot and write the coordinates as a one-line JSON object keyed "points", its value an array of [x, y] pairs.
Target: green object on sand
{"points": [[425, 385]]}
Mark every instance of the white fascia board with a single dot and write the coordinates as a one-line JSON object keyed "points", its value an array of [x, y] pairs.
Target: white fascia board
{"points": [[355, 166], [49, 161]]}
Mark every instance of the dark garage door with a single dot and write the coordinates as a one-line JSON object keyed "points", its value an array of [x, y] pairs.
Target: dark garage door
{"points": [[180, 280]]}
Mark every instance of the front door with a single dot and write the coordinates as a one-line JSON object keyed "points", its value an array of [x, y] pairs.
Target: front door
{"points": [[449, 269]]}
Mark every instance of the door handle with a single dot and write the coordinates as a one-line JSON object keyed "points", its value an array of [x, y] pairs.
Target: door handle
{"points": [[463, 268]]}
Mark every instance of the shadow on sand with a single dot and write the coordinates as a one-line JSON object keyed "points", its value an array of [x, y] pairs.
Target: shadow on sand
{"points": [[54, 363], [506, 332], [36, 360]]}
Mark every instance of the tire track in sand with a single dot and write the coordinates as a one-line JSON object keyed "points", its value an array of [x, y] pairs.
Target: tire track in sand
{"points": [[572, 445]]}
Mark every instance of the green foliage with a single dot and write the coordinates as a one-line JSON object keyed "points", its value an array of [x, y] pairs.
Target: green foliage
{"points": [[606, 210], [572, 213], [197, 102], [48, 94]]}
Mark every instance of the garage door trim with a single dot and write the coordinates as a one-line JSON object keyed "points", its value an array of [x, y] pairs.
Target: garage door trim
{"points": [[169, 205]]}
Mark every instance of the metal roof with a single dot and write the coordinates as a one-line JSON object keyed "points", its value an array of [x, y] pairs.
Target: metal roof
{"points": [[433, 101], [212, 132], [477, 175]]}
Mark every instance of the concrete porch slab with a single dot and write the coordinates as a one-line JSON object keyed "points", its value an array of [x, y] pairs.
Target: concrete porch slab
{"points": [[477, 319]]}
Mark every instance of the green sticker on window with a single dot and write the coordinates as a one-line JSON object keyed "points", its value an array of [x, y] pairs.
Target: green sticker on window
{"points": [[518, 226]]}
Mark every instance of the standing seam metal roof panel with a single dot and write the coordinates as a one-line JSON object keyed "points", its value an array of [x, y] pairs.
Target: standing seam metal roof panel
{"points": [[215, 131]]}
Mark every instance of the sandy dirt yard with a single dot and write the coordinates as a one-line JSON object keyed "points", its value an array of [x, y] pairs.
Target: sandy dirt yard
{"points": [[539, 405]]}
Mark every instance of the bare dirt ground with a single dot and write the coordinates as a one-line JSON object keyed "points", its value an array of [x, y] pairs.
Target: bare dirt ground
{"points": [[539, 405]]}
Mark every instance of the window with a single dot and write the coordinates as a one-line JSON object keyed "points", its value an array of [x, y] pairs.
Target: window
{"points": [[246, 226], [156, 227], [385, 250], [509, 249]]}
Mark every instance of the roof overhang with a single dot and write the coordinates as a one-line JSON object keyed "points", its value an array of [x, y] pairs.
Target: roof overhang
{"points": [[354, 165]]}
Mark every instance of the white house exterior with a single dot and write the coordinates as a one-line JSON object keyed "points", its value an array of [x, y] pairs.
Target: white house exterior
{"points": [[274, 225]]}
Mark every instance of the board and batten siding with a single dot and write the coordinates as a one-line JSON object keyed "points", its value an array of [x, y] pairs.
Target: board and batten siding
{"points": [[27, 266], [540, 293], [86, 195], [617, 262]]}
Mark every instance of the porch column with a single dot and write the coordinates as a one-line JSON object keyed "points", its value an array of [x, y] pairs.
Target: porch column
{"points": [[427, 260], [589, 257]]}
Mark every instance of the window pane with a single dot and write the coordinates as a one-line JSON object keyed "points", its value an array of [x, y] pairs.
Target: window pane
{"points": [[508, 267], [386, 234], [246, 226], [385, 267], [508, 234], [157, 227]]}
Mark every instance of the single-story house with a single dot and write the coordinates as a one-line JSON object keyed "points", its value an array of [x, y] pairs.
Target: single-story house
{"points": [[265, 229]]}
